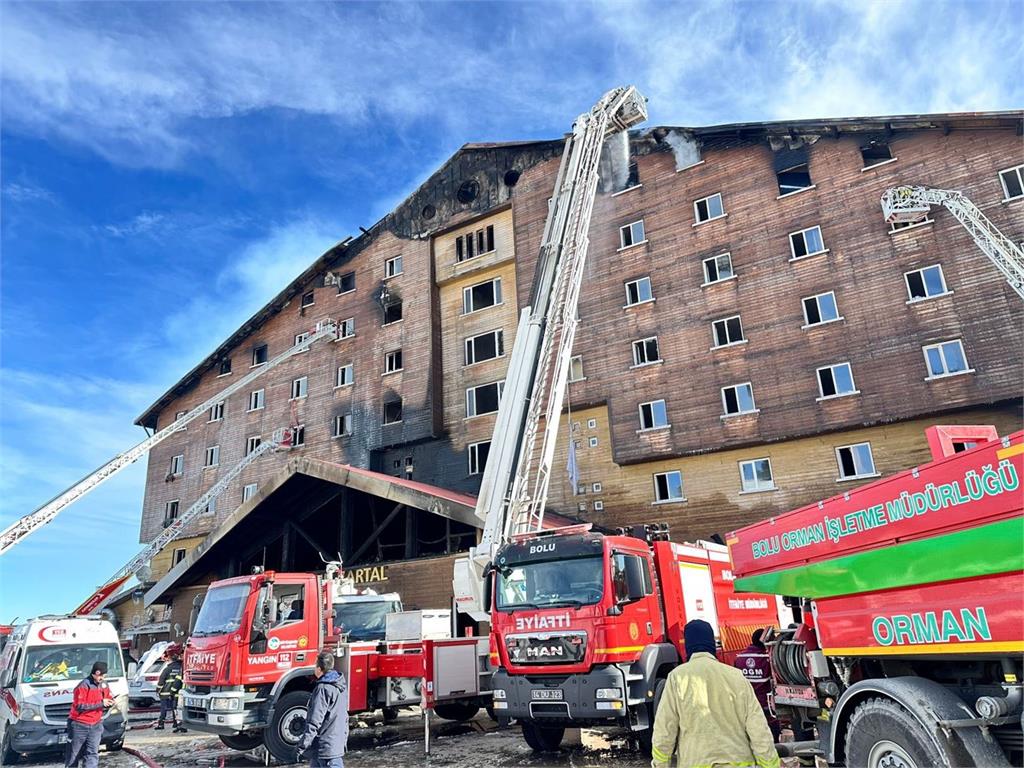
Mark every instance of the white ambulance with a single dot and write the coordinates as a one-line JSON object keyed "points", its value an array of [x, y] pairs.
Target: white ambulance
{"points": [[40, 666]]}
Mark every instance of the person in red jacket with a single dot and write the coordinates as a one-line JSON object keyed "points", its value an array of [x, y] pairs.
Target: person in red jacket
{"points": [[91, 699], [754, 664]]}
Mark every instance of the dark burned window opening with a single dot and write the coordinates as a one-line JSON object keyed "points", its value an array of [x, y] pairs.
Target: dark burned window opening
{"points": [[392, 411], [473, 244], [486, 346], [876, 153], [225, 366], [481, 296], [259, 354], [347, 282], [794, 179], [307, 299], [634, 175], [392, 312]]}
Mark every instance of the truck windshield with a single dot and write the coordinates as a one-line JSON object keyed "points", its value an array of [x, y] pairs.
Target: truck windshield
{"points": [[222, 610], [363, 620], [579, 581], [51, 663]]}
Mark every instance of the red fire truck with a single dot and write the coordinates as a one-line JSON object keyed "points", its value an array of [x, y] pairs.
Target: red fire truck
{"points": [[249, 661], [909, 649], [586, 626]]}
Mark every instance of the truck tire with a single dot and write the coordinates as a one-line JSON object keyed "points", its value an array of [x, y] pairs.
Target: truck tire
{"points": [[7, 755], [457, 711], [882, 734], [243, 742], [390, 714], [281, 737], [646, 737], [543, 738]]}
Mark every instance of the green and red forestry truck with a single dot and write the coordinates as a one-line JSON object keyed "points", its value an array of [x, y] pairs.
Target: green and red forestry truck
{"points": [[909, 647]]}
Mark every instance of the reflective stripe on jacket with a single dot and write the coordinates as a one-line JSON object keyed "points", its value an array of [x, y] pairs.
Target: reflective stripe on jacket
{"points": [[709, 716], [170, 680]]}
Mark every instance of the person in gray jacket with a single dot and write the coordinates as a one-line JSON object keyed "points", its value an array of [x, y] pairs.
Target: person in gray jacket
{"points": [[326, 736]]}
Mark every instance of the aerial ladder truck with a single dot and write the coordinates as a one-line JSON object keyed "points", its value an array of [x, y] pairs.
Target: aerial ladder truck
{"points": [[326, 329]]}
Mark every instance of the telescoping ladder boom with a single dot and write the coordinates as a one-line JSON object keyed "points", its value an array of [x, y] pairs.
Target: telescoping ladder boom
{"points": [[514, 487], [910, 204], [100, 597], [46, 513]]}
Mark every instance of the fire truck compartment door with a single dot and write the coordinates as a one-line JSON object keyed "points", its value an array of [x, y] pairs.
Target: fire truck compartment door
{"points": [[455, 671], [698, 593]]}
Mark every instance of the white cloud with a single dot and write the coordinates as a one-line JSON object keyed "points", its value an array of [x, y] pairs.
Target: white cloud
{"points": [[22, 193], [141, 224]]}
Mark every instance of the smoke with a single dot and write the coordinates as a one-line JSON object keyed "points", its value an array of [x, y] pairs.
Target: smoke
{"points": [[684, 147], [614, 165]]}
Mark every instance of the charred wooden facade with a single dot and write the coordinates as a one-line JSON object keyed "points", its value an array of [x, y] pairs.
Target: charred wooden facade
{"points": [[741, 370]]}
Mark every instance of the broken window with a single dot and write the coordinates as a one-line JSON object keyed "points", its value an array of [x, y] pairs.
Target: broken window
{"points": [[645, 351], [473, 244], [820, 309], [727, 331], [737, 399], [634, 175], [259, 355], [481, 296], [945, 359], [925, 283], [299, 435], [836, 381], [170, 512], [653, 415], [392, 313], [639, 291], [343, 425], [485, 398], [256, 400], [177, 465], [632, 234], [393, 361], [708, 208], [212, 456], [718, 268], [793, 179], [225, 366], [347, 328], [347, 282], [217, 411], [486, 346], [876, 153], [668, 486], [756, 475], [1013, 182], [393, 267], [299, 387], [393, 412], [576, 368], [345, 376], [806, 242], [252, 443], [478, 453], [307, 299], [855, 461]]}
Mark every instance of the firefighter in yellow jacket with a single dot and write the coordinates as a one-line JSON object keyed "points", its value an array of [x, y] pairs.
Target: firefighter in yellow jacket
{"points": [[708, 713]]}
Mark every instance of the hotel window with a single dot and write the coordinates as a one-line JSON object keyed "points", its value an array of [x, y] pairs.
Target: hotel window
{"points": [[179, 555], [836, 381], [639, 291], [876, 153], [478, 453], [347, 328], [299, 435], [727, 331], [793, 179], [225, 366], [653, 415], [473, 244], [307, 299], [259, 355], [485, 398], [212, 456], [252, 443], [632, 234], [170, 512], [347, 282], [708, 208], [945, 359], [718, 268], [248, 491], [392, 313], [1012, 180], [393, 361], [820, 309], [301, 337], [668, 486], [485, 346], [299, 388], [738, 399], [217, 411], [392, 412], [343, 425], [855, 461], [756, 475], [925, 283], [576, 368], [256, 400], [177, 465], [481, 296], [393, 267], [645, 351], [345, 376], [806, 242]]}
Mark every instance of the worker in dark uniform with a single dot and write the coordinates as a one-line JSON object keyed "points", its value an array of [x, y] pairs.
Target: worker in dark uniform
{"points": [[326, 737], [168, 688], [91, 699], [756, 668]]}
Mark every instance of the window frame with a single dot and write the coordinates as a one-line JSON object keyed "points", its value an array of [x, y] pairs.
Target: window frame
{"points": [[802, 233], [830, 367], [670, 499], [636, 358], [249, 442], [807, 320], [1019, 169], [715, 258], [758, 488], [573, 378], [496, 294], [265, 349], [473, 456], [389, 271], [623, 245], [853, 458], [178, 460], [340, 420], [500, 384], [401, 412], [247, 494], [911, 299], [349, 323], [939, 345], [798, 190], [225, 363], [637, 282], [469, 343], [868, 166], [261, 400], [301, 391], [341, 283], [212, 457], [387, 309], [389, 358], [653, 427], [168, 517], [706, 200], [216, 412], [298, 435], [311, 295], [726, 414], [351, 376], [714, 332]]}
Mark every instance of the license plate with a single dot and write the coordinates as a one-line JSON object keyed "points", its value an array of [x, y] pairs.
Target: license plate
{"points": [[191, 701], [546, 694]]}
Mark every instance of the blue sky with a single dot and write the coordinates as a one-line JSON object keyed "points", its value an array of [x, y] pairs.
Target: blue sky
{"points": [[166, 168]]}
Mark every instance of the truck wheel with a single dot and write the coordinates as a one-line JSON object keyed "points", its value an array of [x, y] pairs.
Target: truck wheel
{"points": [[243, 742], [543, 738], [457, 711], [281, 737], [646, 737], [7, 755], [882, 734], [390, 714]]}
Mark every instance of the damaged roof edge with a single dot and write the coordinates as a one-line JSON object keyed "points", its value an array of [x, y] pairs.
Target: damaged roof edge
{"points": [[996, 119]]}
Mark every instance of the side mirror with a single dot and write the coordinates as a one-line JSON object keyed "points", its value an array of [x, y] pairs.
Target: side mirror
{"points": [[634, 579], [488, 587]]}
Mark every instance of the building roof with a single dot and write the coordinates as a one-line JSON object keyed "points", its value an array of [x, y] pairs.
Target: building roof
{"points": [[712, 136]]}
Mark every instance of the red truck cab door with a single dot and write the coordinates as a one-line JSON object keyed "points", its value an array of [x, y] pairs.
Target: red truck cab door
{"points": [[640, 619], [293, 619]]}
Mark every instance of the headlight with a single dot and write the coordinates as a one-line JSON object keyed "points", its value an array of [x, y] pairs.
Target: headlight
{"points": [[223, 704], [609, 693], [31, 712], [499, 693]]}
